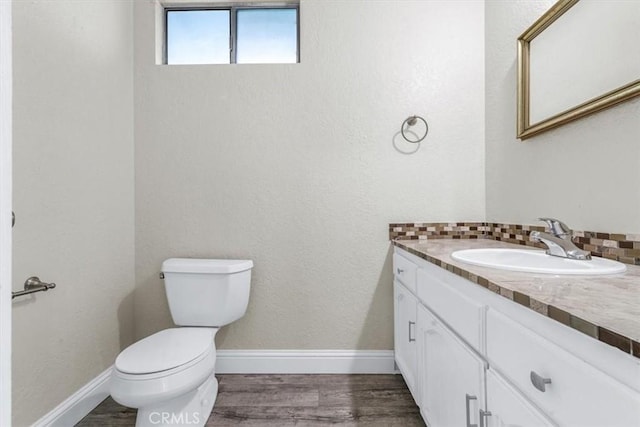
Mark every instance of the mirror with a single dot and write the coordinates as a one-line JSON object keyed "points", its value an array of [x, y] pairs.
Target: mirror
{"points": [[580, 57]]}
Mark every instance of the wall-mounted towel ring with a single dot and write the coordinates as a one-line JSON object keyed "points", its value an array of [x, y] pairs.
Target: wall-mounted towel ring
{"points": [[408, 123]]}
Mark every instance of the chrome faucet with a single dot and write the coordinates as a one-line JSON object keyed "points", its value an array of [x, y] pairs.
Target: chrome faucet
{"points": [[559, 241]]}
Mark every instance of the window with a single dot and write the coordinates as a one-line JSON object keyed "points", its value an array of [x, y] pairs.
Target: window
{"points": [[198, 36], [232, 35]]}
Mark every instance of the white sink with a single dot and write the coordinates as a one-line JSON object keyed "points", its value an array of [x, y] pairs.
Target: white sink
{"points": [[536, 261]]}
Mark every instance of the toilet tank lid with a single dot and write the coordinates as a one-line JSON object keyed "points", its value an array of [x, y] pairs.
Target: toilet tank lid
{"points": [[211, 266]]}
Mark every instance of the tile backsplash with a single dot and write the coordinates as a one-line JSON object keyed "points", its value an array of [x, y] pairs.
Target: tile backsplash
{"points": [[617, 246], [438, 230]]}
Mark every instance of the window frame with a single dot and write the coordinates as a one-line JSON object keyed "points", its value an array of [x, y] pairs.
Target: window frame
{"points": [[233, 27]]}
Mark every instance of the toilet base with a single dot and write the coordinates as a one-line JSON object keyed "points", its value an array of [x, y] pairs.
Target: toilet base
{"points": [[191, 409]]}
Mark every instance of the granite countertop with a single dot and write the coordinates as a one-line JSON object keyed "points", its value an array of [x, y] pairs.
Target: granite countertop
{"points": [[604, 307]]}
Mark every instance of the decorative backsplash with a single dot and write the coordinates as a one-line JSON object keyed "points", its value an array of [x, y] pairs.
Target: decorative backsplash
{"points": [[617, 246], [514, 233], [438, 230]]}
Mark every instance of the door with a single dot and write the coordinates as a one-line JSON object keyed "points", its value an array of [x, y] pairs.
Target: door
{"points": [[507, 408], [405, 306], [451, 376], [5, 212]]}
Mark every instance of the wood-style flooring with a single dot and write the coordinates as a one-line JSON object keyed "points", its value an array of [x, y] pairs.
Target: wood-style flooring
{"points": [[295, 400]]}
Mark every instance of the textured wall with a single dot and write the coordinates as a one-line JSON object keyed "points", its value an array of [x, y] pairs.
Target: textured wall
{"points": [[73, 196], [294, 166], [586, 173]]}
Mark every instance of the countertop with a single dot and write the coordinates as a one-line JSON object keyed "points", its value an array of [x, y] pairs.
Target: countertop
{"points": [[605, 307]]}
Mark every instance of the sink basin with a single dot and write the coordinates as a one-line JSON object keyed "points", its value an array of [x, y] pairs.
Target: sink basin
{"points": [[536, 261]]}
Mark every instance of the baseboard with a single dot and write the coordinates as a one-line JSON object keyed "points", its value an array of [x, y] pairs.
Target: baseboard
{"points": [[305, 362], [79, 404]]}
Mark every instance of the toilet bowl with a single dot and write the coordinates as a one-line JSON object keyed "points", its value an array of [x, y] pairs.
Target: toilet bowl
{"points": [[170, 375]]}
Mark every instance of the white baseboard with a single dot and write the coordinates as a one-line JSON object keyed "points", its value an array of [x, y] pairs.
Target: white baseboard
{"points": [[79, 404], [305, 362]]}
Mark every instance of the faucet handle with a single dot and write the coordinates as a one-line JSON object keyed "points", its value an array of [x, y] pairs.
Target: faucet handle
{"points": [[557, 227]]}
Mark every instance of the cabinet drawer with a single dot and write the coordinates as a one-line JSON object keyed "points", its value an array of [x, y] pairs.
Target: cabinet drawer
{"points": [[577, 395], [405, 271], [461, 313], [508, 408]]}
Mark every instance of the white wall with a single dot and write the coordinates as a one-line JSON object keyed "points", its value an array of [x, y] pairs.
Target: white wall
{"points": [[586, 173], [293, 166], [73, 195]]}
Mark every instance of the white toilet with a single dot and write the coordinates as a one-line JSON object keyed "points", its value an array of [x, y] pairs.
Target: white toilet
{"points": [[169, 376]]}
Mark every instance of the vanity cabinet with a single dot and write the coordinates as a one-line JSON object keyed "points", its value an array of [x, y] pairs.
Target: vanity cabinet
{"points": [[405, 317], [471, 357]]}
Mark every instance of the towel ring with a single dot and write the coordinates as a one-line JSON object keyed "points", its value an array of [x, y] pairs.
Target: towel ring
{"points": [[411, 121]]}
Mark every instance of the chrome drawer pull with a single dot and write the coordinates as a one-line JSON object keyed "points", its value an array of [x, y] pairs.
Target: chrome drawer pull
{"points": [[399, 270], [483, 415], [469, 398], [539, 382], [411, 323]]}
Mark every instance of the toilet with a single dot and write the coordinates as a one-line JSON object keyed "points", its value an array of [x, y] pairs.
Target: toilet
{"points": [[170, 375]]}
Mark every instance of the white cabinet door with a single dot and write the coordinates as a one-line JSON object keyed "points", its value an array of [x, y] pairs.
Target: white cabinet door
{"points": [[451, 376], [507, 408], [405, 306]]}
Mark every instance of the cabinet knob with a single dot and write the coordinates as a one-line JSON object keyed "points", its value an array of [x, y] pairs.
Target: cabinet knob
{"points": [[399, 270], [539, 381]]}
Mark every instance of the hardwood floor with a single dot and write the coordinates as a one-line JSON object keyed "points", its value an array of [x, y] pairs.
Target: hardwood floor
{"points": [[295, 400]]}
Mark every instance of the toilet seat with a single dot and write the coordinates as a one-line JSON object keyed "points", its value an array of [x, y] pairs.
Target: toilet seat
{"points": [[164, 382], [166, 350]]}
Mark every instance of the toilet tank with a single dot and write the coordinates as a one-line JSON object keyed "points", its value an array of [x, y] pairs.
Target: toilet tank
{"points": [[207, 292]]}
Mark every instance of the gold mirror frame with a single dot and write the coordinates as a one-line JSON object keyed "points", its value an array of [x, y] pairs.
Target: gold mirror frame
{"points": [[526, 129]]}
